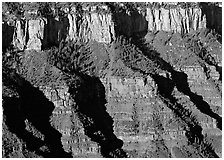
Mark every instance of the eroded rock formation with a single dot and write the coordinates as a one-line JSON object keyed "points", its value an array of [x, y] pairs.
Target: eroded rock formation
{"points": [[100, 26], [157, 94]]}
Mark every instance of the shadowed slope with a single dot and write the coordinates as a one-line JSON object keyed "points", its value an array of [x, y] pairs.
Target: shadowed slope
{"points": [[37, 109]]}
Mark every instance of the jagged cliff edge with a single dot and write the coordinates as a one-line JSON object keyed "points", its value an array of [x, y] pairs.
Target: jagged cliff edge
{"points": [[42, 32]]}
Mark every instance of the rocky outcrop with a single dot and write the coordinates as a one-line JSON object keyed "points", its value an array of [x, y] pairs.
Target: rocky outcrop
{"points": [[41, 33], [66, 121], [29, 34], [175, 19], [19, 37], [163, 107], [35, 35], [103, 26], [91, 26], [134, 107]]}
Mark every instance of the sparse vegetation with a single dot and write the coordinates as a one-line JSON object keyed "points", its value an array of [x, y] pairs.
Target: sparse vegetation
{"points": [[70, 56]]}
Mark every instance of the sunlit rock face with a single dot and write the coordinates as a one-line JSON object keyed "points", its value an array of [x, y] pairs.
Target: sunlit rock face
{"points": [[148, 87], [102, 27], [44, 32]]}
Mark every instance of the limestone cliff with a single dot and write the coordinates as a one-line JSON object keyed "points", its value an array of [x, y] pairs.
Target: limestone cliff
{"points": [[175, 19], [102, 26], [92, 26], [44, 32]]}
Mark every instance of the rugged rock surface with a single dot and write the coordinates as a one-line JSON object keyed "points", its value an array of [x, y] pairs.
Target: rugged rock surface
{"points": [[93, 24], [175, 19], [44, 32], [113, 81]]}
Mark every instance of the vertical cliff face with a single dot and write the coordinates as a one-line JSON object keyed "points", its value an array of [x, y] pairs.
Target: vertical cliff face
{"points": [[35, 35], [104, 26], [175, 19], [29, 34], [85, 27], [41, 33], [19, 37], [95, 26]]}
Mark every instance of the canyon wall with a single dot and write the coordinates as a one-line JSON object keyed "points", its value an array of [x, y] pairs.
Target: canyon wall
{"points": [[177, 20], [40, 33], [141, 118]]}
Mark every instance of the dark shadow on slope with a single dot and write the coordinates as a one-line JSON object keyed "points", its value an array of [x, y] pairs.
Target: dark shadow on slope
{"points": [[14, 119], [98, 125], [193, 128], [180, 80], [165, 88], [194, 132], [34, 106]]}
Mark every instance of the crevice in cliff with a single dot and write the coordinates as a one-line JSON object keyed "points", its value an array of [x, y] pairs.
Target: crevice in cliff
{"points": [[27, 33], [79, 18], [37, 109]]}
